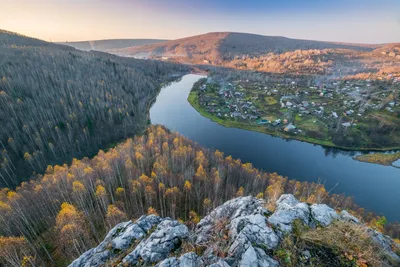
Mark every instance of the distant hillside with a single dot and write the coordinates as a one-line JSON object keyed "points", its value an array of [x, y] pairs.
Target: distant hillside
{"points": [[223, 46], [12, 39], [59, 103], [107, 45]]}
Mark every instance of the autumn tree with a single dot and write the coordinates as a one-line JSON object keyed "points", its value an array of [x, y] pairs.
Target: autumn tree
{"points": [[114, 216], [14, 251], [72, 232]]}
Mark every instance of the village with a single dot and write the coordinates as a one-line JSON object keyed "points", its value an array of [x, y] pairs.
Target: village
{"points": [[316, 109]]}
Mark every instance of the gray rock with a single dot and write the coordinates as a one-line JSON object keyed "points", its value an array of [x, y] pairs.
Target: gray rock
{"points": [[386, 243], [220, 263], [256, 257], [235, 208], [159, 244], [186, 260], [249, 231], [247, 226], [119, 238], [345, 216], [245, 220], [306, 254], [323, 214], [287, 210]]}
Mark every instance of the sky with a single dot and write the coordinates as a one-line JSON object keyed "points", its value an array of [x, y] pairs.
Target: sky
{"points": [[357, 21]]}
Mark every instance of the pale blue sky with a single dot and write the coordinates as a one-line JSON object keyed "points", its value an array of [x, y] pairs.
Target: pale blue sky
{"points": [[368, 21]]}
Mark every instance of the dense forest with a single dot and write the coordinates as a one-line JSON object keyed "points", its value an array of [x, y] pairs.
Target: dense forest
{"points": [[57, 103], [58, 216]]}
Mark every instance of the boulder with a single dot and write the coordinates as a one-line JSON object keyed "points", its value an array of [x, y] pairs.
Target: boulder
{"points": [[288, 209], [323, 214], [256, 257], [230, 210], [346, 216]]}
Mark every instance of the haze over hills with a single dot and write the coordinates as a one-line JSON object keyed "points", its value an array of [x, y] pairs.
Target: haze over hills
{"points": [[219, 46], [110, 44]]}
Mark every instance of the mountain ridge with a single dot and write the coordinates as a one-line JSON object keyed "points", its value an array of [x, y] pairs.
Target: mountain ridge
{"points": [[106, 45], [218, 46]]}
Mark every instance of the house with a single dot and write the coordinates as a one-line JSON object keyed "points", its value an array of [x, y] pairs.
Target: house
{"points": [[334, 114], [289, 104], [277, 122], [346, 124], [289, 128], [236, 114], [252, 117]]}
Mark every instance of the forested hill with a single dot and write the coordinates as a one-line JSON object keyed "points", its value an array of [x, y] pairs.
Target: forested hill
{"points": [[57, 102], [218, 47], [111, 44]]}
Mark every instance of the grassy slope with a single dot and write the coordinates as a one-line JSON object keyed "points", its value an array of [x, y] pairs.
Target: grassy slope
{"points": [[193, 100]]}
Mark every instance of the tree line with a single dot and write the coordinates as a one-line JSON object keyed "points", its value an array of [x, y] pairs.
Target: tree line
{"points": [[58, 216]]}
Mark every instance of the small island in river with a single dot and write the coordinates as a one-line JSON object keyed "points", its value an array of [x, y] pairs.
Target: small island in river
{"points": [[379, 158], [346, 114]]}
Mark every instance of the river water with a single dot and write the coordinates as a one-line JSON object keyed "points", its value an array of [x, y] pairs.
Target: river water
{"points": [[374, 187]]}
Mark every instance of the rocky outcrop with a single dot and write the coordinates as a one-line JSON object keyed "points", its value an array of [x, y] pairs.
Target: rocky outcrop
{"points": [[120, 238], [241, 232], [248, 230], [289, 209], [167, 237]]}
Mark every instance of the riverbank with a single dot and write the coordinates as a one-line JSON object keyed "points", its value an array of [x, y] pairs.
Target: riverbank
{"points": [[193, 100]]}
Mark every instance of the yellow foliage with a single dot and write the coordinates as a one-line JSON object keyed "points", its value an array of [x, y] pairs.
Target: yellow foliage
{"points": [[4, 208], [88, 170], [114, 215], [12, 195], [138, 156], [187, 186], [68, 214], [78, 187], [100, 191], [193, 217], [152, 211], [145, 179], [207, 203], [161, 187], [240, 192], [200, 173], [120, 191]]}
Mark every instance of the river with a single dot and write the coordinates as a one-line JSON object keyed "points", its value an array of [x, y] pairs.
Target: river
{"points": [[374, 187]]}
